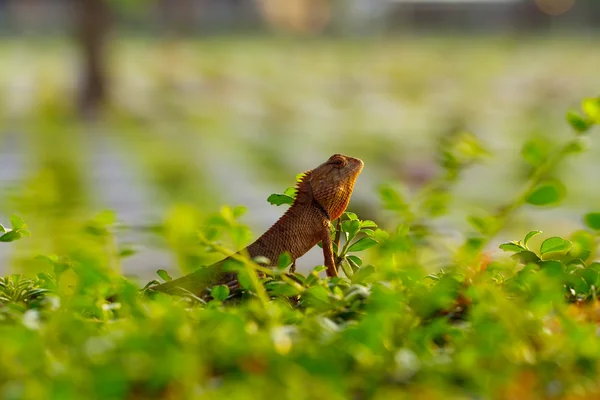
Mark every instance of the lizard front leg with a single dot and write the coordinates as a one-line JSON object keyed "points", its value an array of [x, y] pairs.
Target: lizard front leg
{"points": [[328, 252]]}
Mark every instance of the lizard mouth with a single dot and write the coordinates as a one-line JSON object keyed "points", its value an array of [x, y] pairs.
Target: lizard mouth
{"points": [[357, 164]]}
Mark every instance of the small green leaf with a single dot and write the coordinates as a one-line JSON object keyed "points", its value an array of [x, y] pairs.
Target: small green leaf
{"points": [[547, 193], [164, 275], [392, 199], [24, 233], [526, 257], [535, 151], [350, 228], [2, 228], [582, 244], [368, 224], [285, 259], [512, 246], [220, 292], [554, 245], [347, 268], [362, 244], [591, 108], [281, 288], [578, 122], [529, 236], [363, 274], [278, 199], [355, 260], [126, 252], [291, 191], [577, 145], [261, 260], [10, 236], [351, 215], [482, 224], [239, 211], [16, 222], [592, 220]]}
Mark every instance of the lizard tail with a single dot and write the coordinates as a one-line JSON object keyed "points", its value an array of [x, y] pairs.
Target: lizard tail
{"points": [[199, 281], [196, 283]]}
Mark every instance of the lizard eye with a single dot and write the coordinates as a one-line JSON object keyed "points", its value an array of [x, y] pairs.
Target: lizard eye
{"points": [[338, 161]]}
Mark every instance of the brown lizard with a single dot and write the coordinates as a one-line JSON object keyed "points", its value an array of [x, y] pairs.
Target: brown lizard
{"points": [[322, 195]]}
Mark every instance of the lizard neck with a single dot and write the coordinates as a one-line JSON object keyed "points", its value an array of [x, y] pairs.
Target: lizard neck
{"points": [[297, 231]]}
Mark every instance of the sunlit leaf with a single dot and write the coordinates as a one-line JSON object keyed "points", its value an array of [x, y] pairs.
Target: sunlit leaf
{"points": [[363, 273], [526, 257], [220, 292], [164, 275], [362, 244], [16, 222], [278, 199], [578, 122], [535, 151], [10, 236], [285, 259], [392, 199], [547, 193], [592, 220], [512, 246], [554, 245], [591, 108], [529, 236]]}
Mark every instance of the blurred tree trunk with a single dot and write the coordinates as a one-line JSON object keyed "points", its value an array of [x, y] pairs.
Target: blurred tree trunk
{"points": [[93, 25]]}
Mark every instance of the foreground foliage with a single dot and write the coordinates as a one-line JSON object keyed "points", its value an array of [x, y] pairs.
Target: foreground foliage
{"points": [[408, 317]]}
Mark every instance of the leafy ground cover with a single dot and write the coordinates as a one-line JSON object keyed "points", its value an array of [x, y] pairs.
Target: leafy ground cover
{"points": [[522, 324]]}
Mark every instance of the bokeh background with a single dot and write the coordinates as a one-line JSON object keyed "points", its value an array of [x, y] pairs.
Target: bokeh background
{"points": [[156, 108]]}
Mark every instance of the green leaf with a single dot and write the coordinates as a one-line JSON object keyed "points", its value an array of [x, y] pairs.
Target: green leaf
{"points": [[164, 275], [512, 246], [535, 151], [278, 199], [351, 215], [483, 224], [220, 292], [362, 244], [591, 108], [592, 220], [529, 236], [392, 199], [16, 222], [547, 193], [582, 244], [2, 228], [10, 236], [239, 211], [368, 224], [363, 273], [261, 260], [578, 122], [291, 191], [356, 260], [526, 257], [347, 268], [577, 145], [285, 259], [126, 252], [554, 245], [281, 288], [24, 233], [350, 228]]}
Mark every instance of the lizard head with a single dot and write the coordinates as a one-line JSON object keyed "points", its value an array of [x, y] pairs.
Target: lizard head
{"points": [[332, 182]]}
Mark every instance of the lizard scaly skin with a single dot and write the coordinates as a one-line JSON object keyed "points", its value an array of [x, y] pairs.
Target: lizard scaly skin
{"points": [[322, 196]]}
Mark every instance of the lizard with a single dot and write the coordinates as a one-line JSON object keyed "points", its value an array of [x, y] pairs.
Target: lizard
{"points": [[322, 195]]}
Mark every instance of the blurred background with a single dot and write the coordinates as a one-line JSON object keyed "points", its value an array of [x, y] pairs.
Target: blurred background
{"points": [[164, 109]]}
